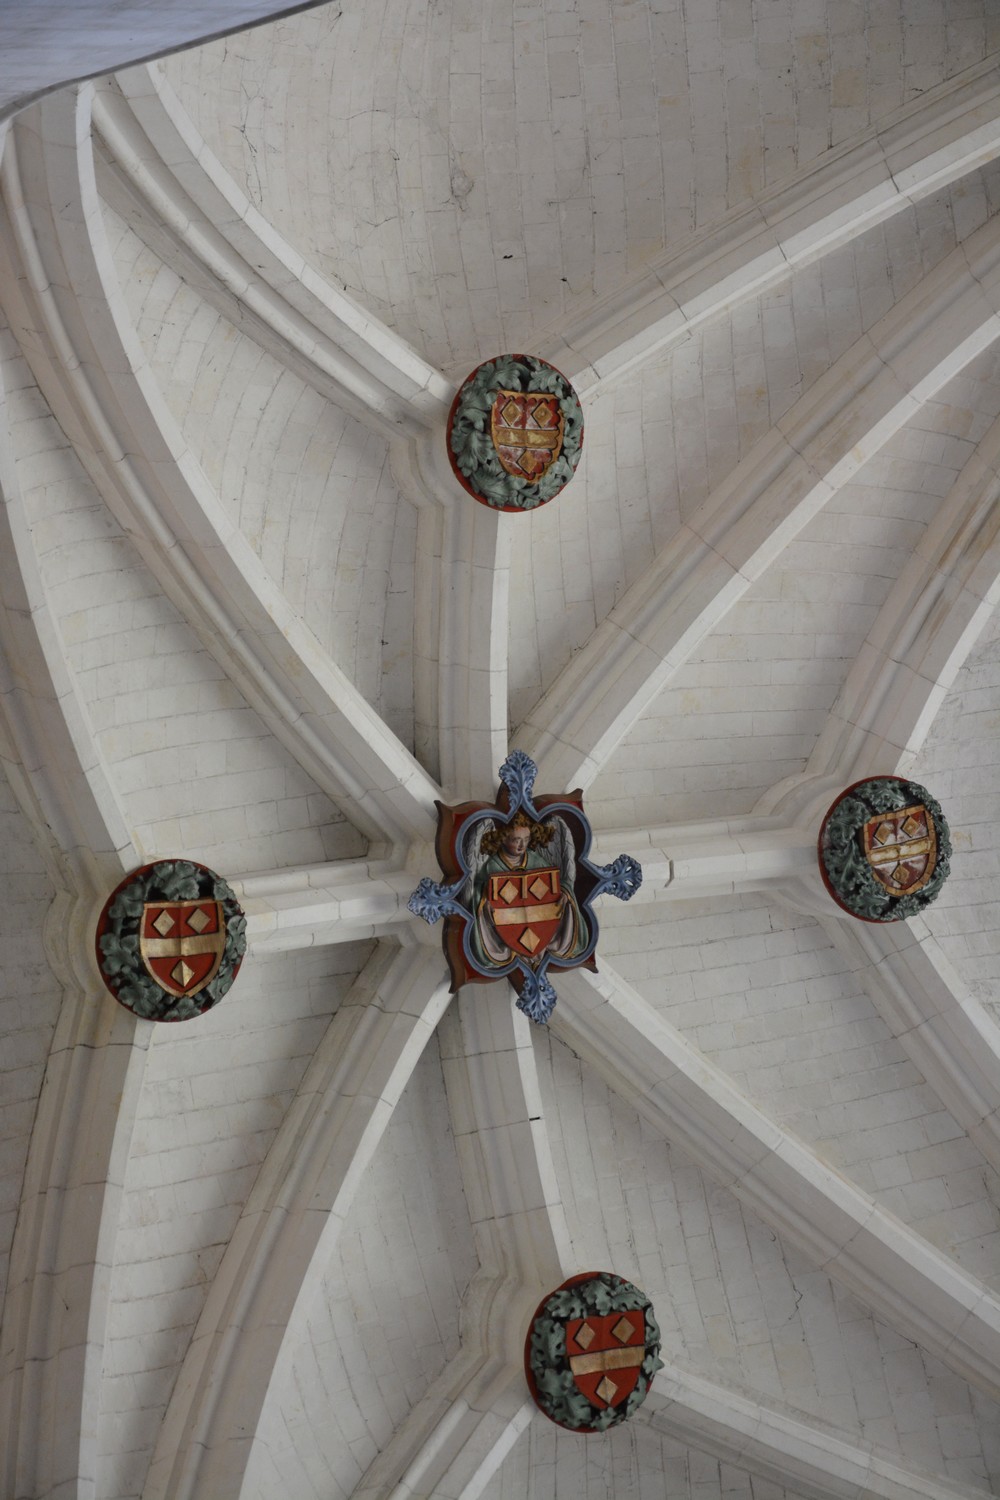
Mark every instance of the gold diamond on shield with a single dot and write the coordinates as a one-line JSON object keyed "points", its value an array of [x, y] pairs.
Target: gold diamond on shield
{"points": [[606, 1390], [585, 1336], [163, 923], [530, 940], [508, 891], [538, 888], [622, 1330], [199, 920], [182, 974]]}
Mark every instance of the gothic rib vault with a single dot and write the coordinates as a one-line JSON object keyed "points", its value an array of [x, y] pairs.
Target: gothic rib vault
{"points": [[246, 615]]}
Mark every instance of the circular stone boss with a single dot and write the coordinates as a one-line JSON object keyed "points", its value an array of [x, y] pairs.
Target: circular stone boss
{"points": [[591, 1353], [884, 849], [170, 940], [515, 432]]}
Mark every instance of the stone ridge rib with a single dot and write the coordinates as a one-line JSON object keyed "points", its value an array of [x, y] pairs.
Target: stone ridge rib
{"points": [[946, 1032], [813, 1459], [473, 643], [291, 1222], [455, 1439], [81, 346], [457, 1436], [57, 1295], [914, 152], [929, 622], [921, 1292], [932, 333], [161, 170], [46, 719], [344, 902], [507, 1171]]}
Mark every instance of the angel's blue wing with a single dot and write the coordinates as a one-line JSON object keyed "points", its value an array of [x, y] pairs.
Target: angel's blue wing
{"points": [[475, 858], [564, 850]]}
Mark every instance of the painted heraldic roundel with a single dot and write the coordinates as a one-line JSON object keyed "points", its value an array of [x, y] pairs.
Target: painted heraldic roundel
{"points": [[170, 940]]}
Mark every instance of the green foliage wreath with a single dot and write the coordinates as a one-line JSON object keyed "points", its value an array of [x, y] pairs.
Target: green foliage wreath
{"points": [[555, 1388], [843, 855], [120, 960], [471, 438]]}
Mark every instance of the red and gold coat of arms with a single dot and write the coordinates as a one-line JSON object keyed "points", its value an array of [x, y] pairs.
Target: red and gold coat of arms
{"points": [[600, 1331], [901, 848], [884, 849], [520, 887], [170, 940], [526, 908], [527, 431], [181, 943], [515, 432], [605, 1354]]}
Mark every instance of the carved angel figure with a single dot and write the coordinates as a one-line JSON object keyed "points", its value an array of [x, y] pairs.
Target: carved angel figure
{"points": [[521, 892]]}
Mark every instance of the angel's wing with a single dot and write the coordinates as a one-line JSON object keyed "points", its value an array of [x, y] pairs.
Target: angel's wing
{"points": [[565, 852], [474, 858]]}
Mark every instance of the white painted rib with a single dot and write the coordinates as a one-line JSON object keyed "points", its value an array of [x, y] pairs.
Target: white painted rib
{"points": [[162, 177], [456, 1437], [739, 531], [922, 1293], [290, 1224], [919, 150], [812, 1459], [86, 357]]}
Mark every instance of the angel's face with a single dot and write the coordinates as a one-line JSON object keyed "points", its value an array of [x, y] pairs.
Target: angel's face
{"points": [[515, 842]]}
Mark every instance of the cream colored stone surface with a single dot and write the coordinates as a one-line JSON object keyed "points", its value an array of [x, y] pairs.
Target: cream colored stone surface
{"points": [[247, 616]]}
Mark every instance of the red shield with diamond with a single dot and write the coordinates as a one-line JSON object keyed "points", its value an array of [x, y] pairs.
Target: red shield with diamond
{"points": [[181, 943], [527, 429], [901, 848], [605, 1355], [526, 908]]}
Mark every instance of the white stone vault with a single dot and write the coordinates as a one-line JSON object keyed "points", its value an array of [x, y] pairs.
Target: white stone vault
{"points": [[248, 616]]}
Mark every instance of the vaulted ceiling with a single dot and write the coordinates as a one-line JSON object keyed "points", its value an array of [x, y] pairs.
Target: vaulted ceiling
{"points": [[247, 616]]}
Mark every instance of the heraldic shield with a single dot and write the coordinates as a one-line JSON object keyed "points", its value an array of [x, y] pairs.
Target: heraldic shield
{"points": [[170, 940], [592, 1350], [884, 849], [606, 1354], [526, 908], [520, 887], [527, 430], [181, 943], [901, 848]]}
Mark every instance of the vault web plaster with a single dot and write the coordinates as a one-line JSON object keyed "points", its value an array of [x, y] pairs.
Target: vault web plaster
{"points": [[732, 1299], [610, 116], [829, 1179], [308, 485], [385, 1318], [29, 1006], [211, 1105]]}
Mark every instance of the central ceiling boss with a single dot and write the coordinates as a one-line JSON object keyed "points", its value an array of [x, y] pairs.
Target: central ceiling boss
{"points": [[519, 887]]}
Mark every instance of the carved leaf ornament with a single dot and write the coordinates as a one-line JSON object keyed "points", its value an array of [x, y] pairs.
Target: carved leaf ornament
{"points": [[170, 940], [592, 1350], [515, 433], [884, 849]]}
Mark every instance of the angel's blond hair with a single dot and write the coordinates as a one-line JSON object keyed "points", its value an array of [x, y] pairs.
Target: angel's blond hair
{"points": [[542, 834]]}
